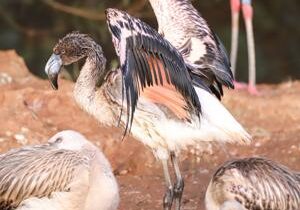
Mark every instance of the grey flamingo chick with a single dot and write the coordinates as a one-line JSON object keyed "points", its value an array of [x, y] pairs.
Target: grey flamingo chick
{"points": [[182, 25], [251, 184], [247, 10], [163, 107], [67, 173]]}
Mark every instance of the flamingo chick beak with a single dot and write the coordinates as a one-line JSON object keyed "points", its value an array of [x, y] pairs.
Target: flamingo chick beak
{"points": [[52, 69]]}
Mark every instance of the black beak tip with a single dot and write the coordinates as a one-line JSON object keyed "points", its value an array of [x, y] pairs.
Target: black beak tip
{"points": [[53, 81], [54, 86]]}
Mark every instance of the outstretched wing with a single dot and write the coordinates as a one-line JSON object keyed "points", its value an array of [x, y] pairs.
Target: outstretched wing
{"points": [[36, 172], [182, 25], [151, 67]]}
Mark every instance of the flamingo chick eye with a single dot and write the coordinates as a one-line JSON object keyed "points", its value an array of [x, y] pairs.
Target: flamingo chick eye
{"points": [[58, 140]]}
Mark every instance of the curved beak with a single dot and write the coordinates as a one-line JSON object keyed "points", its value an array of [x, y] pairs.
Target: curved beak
{"points": [[52, 69]]}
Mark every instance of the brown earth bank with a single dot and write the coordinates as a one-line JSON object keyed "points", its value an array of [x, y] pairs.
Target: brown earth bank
{"points": [[30, 112]]}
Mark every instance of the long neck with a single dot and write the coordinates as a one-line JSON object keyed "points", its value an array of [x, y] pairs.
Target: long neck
{"points": [[171, 17], [91, 75], [159, 8]]}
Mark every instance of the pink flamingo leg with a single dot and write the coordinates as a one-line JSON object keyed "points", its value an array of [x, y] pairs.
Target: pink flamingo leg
{"points": [[248, 18], [253, 90], [235, 11]]}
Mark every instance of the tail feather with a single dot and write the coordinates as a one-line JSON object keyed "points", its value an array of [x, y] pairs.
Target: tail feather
{"points": [[216, 125], [217, 118]]}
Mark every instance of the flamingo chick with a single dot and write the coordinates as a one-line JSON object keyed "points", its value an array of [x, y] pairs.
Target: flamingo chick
{"points": [[247, 10], [162, 105], [253, 183], [67, 173]]}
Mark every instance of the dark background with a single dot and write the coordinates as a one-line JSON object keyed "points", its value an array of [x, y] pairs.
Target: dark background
{"points": [[33, 26]]}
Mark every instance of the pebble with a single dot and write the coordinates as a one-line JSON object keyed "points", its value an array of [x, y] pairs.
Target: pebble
{"points": [[5, 78], [204, 171], [20, 138], [123, 172], [24, 130], [257, 144], [8, 133]]}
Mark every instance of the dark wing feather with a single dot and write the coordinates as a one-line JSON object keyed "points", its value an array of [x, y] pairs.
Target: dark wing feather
{"points": [[224, 56], [213, 68], [138, 72], [222, 64]]}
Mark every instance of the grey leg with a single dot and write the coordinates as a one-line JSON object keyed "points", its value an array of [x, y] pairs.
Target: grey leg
{"points": [[169, 195], [179, 185]]}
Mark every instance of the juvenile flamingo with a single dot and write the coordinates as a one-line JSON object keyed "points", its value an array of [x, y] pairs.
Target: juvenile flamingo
{"points": [[67, 173], [253, 183], [162, 102]]}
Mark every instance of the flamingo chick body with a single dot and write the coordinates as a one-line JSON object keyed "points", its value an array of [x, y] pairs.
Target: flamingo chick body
{"points": [[253, 183], [163, 107], [67, 173]]}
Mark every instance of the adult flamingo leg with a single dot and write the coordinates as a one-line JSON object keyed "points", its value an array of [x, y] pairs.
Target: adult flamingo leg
{"points": [[248, 18], [235, 10], [235, 13]]}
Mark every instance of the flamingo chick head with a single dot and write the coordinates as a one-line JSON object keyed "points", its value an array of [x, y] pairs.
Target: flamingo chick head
{"points": [[69, 140], [71, 48]]}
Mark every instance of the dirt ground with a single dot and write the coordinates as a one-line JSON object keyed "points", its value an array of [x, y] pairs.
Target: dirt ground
{"points": [[30, 112]]}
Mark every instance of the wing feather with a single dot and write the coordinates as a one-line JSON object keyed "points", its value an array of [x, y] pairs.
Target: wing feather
{"points": [[197, 43], [159, 71], [150, 60], [213, 67], [36, 172]]}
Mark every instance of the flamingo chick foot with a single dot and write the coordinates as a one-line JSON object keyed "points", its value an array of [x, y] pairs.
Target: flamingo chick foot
{"points": [[178, 191], [168, 199]]}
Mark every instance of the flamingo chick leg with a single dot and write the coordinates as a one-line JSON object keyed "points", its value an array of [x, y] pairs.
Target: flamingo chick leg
{"points": [[248, 18], [169, 195], [179, 185]]}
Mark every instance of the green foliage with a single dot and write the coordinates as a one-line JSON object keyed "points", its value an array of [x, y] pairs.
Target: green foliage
{"points": [[32, 27]]}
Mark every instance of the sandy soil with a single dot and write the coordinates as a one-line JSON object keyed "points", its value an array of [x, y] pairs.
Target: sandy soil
{"points": [[31, 112]]}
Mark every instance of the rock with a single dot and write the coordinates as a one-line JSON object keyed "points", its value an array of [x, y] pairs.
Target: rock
{"points": [[13, 65], [21, 139]]}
